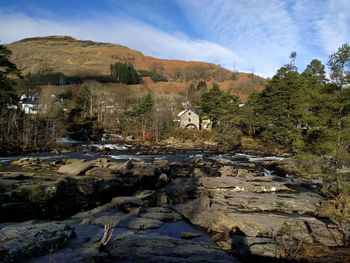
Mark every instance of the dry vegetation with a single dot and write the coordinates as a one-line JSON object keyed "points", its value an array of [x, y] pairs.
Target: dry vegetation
{"points": [[73, 58]]}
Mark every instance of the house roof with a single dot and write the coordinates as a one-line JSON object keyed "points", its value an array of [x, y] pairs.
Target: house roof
{"points": [[184, 111]]}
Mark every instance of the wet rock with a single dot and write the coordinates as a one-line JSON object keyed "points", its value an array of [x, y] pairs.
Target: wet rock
{"points": [[160, 213], [125, 203], [154, 247], [189, 235], [75, 168], [139, 223], [20, 242]]}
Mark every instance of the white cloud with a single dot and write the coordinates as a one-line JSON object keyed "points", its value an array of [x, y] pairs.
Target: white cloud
{"points": [[250, 34], [333, 27], [265, 32], [262, 32], [131, 33]]}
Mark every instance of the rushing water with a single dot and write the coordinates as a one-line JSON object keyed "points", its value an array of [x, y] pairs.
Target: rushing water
{"points": [[124, 152]]}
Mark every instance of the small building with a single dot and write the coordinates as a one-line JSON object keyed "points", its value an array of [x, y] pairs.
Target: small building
{"points": [[29, 104], [188, 119]]}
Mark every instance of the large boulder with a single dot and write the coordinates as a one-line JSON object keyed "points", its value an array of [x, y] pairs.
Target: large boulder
{"points": [[75, 168], [19, 242]]}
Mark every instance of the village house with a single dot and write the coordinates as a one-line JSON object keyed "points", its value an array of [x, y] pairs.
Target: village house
{"points": [[189, 119], [29, 104]]}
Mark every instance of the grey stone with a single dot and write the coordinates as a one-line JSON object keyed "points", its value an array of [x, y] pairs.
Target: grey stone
{"points": [[75, 168]]}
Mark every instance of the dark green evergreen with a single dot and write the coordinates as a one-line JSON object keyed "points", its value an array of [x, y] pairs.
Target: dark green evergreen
{"points": [[8, 72], [124, 73]]}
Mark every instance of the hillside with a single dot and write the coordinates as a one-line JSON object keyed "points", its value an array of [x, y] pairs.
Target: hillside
{"points": [[78, 58]]}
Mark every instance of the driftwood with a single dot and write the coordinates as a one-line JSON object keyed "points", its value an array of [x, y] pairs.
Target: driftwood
{"points": [[108, 231]]}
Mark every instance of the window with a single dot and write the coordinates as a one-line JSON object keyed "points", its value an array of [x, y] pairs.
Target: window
{"points": [[189, 119]]}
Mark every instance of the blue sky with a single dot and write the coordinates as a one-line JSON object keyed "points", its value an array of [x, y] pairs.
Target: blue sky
{"points": [[246, 35]]}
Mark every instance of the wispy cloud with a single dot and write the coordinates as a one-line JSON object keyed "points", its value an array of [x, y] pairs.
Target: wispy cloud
{"points": [[265, 32], [261, 32], [250, 34], [333, 27]]}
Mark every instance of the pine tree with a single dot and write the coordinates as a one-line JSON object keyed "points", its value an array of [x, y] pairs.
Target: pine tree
{"points": [[8, 71]]}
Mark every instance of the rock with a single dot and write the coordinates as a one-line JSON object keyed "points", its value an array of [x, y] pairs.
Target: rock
{"points": [[253, 184], [116, 167], [27, 162], [198, 212], [75, 168], [102, 162], [163, 178], [17, 175], [125, 203], [203, 212], [99, 171], [108, 217], [73, 160], [161, 162], [178, 191], [160, 213], [245, 173], [248, 164], [303, 203], [228, 171], [189, 235], [198, 172], [305, 229], [19, 242], [155, 247], [139, 223]]}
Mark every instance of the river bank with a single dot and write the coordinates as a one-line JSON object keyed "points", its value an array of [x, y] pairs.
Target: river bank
{"points": [[174, 206]]}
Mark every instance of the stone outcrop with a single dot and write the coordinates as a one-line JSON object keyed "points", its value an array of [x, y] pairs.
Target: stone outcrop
{"points": [[153, 209]]}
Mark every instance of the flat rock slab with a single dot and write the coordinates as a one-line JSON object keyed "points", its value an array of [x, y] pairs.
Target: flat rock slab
{"points": [[304, 228], [154, 247], [139, 223], [159, 213], [75, 168], [302, 203], [235, 184]]}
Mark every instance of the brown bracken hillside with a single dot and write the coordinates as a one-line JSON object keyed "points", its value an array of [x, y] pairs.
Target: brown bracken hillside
{"points": [[80, 58]]}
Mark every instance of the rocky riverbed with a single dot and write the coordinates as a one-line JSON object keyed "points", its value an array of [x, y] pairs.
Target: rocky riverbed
{"points": [[188, 207]]}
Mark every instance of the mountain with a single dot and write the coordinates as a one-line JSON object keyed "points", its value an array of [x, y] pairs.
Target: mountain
{"points": [[81, 58]]}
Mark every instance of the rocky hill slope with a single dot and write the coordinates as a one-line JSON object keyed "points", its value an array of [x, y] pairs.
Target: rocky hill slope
{"points": [[81, 58]]}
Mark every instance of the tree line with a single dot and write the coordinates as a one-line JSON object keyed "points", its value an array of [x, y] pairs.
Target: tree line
{"points": [[301, 111]]}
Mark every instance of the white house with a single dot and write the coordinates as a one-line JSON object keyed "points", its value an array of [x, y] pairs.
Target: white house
{"points": [[29, 104], [188, 119]]}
